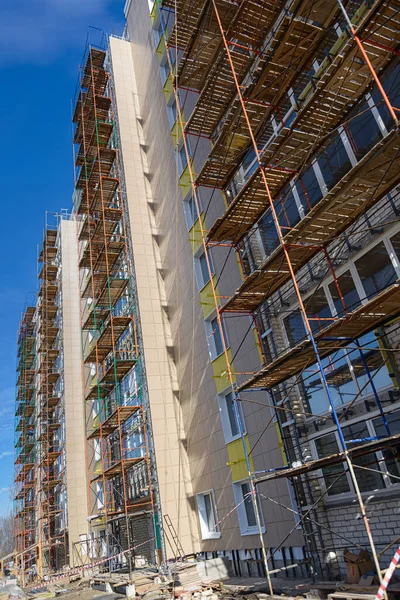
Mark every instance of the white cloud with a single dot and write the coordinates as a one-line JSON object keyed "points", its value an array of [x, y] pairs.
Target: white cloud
{"points": [[3, 454], [36, 31]]}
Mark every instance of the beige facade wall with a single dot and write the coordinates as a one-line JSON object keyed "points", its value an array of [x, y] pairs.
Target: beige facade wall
{"points": [[169, 442], [75, 434], [204, 442]]}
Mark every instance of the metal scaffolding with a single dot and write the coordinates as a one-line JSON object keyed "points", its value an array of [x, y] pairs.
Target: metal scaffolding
{"points": [[50, 426], [250, 63], [122, 481], [25, 462]]}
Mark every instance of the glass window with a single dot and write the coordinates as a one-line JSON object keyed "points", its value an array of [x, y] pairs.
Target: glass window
{"points": [[376, 270], [266, 334], [205, 274], [362, 130], [191, 213], [395, 240], [286, 209], [326, 446], [309, 189], [164, 72], [340, 383], [216, 333], [157, 33], [346, 293], [294, 327], [367, 480], [245, 510], [207, 515], [172, 113], [182, 159], [233, 423], [318, 310], [229, 419], [249, 506], [375, 362], [391, 84], [391, 455], [334, 161], [268, 233], [248, 159]]}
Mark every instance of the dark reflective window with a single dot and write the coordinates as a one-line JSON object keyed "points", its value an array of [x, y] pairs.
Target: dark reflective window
{"points": [[334, 161]]}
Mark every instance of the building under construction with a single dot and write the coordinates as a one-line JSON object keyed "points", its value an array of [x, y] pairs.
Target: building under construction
{"points": [[50, 484], [237, 239]]}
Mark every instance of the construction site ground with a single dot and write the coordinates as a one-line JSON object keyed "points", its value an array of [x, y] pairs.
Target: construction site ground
{"points": [[185, 582]]}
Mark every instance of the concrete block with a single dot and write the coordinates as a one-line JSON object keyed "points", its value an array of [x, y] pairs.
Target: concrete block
{"points": [[215, 568]]}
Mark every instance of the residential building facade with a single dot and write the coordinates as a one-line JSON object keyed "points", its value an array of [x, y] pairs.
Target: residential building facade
{"points": [[229, 274]]}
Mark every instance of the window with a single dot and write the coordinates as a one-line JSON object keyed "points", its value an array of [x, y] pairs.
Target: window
{"points": [[326, 446], [367, 480], [157, 33], [390, 82], [182, 158], [266, 334], [345, 290], [370, 478], [317, 310], [294, 327], [208, 515], [214, 338], [334, 161], [191, 214], [164, 71], [338, 376], [100, 494], [395, 241], [97, 450], [172, 112], [373, 358], [346, 375], [363, 130], [201, 269], [229, 418], [308, 189], [268, 233], [376, 270], [390, 455], [246, 511]]}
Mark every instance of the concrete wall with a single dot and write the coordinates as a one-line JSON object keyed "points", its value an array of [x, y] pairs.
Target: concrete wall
{"points": [[75, 443], [170, 456]]}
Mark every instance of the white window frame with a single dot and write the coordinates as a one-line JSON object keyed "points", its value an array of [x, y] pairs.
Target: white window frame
{"points": [[201, 283], [389, 482], [180, 148], [186, 207], [164, 70], [170, 112], [158, 32], [226, 424], [351, 267], [97, 450], [99, 495], [245, 528], [210, 337], [206, 533]]}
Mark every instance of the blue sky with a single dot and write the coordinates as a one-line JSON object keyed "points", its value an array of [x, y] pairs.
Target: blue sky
{"points": [[41, 46]]}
